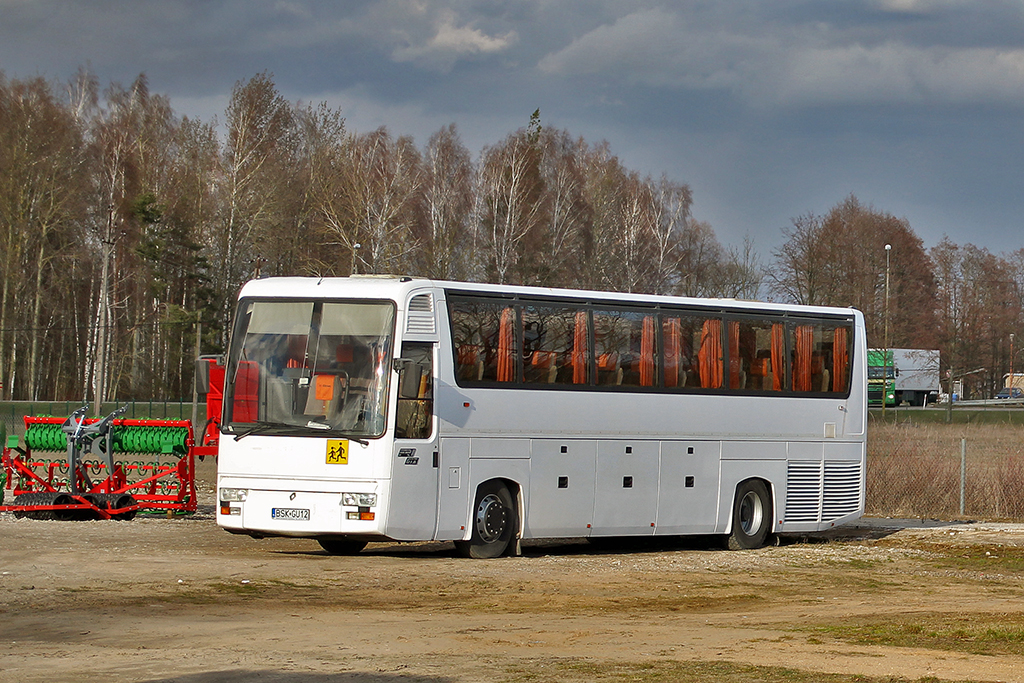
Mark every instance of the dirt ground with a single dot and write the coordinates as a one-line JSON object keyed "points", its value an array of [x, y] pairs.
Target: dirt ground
{"points": [[159, 599]]}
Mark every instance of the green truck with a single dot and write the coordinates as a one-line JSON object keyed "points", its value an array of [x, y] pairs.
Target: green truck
{"points": [[903, 376], [881, 377]]}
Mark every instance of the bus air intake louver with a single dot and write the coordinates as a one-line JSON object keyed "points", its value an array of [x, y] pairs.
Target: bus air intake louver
{"points": [[421, 315]]}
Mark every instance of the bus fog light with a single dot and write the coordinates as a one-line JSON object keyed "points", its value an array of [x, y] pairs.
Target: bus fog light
{"points": [[229, 510], [233, 495], [362, 514], [359, 499]]}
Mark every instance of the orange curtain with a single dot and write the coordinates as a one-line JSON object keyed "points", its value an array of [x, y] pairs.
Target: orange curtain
{"points": [[579, 350], [709, 357], [647, 352], [672, 330], [506, 346], [734, 355], [802, 359], [840, 359], [246, 399], [778, 354]]}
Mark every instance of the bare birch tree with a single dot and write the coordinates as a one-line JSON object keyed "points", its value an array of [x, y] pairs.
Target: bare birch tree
{"points": [[448, 198], [510, 194]]}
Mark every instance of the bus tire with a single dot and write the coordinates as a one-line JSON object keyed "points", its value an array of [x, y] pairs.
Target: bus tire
{"points": [[494, 523], [340, 546], [751, 516]]}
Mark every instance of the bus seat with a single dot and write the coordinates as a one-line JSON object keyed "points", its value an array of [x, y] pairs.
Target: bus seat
{"points": [[608, 370], [470, 364], [545, 361], [324, 392]]}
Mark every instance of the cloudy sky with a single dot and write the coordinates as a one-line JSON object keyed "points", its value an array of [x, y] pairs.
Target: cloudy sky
{"points": [[768, 109]]}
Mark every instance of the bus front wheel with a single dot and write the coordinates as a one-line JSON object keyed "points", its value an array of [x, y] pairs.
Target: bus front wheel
{"points": [[494, 522], [340, 546], [751, 516]]}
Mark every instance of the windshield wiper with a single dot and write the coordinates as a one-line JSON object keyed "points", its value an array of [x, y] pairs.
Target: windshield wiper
{"points": [[288, 428], [353, 437], [264, 426]]}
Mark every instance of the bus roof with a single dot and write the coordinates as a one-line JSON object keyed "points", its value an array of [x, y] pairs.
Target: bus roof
{"points": [[397, 288]]}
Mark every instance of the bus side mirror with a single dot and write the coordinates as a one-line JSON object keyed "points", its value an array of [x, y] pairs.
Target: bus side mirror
{"points": [[410, 373], [202, 376], [203, 365]]}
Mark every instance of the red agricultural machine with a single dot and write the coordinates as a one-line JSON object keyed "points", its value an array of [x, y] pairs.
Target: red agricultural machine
{"points": [[156, 473]]}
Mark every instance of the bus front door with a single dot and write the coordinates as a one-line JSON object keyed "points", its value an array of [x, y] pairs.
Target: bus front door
{"points": [[412, 512]]}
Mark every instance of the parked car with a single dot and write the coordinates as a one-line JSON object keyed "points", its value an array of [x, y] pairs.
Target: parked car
{"points": [[1015, 392]]}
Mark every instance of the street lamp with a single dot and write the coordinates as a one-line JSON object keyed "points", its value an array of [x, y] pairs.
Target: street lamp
{"points": [[885, 361], [355, 247], [1012, 383]]}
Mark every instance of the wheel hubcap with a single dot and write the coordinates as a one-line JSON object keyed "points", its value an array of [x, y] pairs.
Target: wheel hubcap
{"points": [[751, 513], [491, 518]]}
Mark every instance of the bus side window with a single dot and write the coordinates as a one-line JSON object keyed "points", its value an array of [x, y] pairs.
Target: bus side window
{"points": [[415, 408], [841, 336], [554, 345], [484, 337], [756, 357], [821, 358], [626, 348]]}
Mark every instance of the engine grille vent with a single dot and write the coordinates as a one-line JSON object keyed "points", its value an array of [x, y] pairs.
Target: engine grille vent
{"points": [[817, 495]]}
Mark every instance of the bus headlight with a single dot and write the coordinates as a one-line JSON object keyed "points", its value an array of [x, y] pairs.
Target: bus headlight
{"points": [[365, 500], [234, 495]]}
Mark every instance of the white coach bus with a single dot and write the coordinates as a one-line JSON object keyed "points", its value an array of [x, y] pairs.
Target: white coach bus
{"points": [[371, 408]]}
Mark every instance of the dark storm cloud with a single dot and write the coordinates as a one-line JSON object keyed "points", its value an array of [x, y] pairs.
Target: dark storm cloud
{"points": [[768, 109]]}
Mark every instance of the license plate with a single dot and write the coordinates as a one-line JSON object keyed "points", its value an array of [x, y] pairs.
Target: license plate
{"points": [[289, 513]]}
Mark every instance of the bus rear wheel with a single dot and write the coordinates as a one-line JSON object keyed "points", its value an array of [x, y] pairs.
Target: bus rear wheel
{"points": [[494, 523], [341, 546], [751, 516]]}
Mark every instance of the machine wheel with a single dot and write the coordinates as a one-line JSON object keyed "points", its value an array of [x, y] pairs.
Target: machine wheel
{"points": [[64, 515], [116, 501], [340, 546], [30, 499], [123, 501], [494, 523], [92, 499], [751, 516]]}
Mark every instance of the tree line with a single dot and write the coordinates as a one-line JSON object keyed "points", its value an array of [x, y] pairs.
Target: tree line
{"points": [[962, 300], [126, 231]]}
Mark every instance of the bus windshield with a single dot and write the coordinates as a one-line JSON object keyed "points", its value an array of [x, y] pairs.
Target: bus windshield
{"points": [[309, 367]]}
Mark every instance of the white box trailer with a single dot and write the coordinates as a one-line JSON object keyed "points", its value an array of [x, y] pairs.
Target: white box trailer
{"points": [[917, 375]]}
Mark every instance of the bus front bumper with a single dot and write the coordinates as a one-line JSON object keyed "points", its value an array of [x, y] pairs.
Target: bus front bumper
{"points": [[260, 509]]}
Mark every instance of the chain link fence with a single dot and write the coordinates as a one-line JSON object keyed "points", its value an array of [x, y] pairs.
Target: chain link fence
{"points": [[945, 471]]}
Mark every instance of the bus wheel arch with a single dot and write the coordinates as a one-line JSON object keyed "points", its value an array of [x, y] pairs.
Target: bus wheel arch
{"points": [[494, 521], [752, 515]]}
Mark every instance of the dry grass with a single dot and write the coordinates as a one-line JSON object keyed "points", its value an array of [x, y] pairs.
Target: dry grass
{"points": [[974, 633], [543, 671], [914, 471]]}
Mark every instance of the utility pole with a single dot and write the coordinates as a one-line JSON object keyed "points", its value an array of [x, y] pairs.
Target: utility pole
{"points": [[103, 318], [885, 361], [1012, 385]]}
